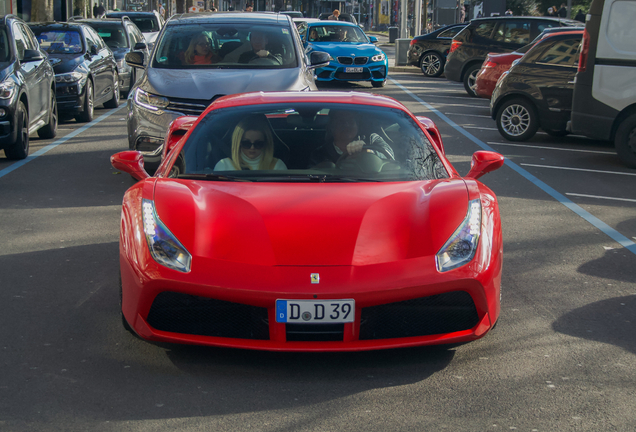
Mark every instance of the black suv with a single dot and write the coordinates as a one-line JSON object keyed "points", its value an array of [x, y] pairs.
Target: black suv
{"points": [[85, 69], [27, 89], [122, 36], [492, 35]]}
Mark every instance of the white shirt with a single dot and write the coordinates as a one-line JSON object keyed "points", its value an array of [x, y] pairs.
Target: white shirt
{"points": [[227, 165]]}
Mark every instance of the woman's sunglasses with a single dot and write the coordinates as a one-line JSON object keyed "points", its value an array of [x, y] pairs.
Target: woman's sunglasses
{"points": [[247, 144]]}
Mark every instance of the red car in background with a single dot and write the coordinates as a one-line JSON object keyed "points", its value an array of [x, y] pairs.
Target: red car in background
{"points": [[260, 230], [496, 64]]}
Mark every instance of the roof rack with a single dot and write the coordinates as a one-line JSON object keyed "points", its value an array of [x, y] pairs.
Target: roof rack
{"points": [[8, 16], [75, 18]]}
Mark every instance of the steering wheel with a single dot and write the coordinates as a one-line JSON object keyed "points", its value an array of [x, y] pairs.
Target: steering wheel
{"points": [[269, 61], [364, 161]]}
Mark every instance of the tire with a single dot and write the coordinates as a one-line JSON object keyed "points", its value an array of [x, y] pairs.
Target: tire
{"points": [[114, 102], [470, 78], [625, 141], [87, 115], [50, 130], [432, 64], [378, 83], [123, 318], [517, 120], [556, 133], [20, 148]]}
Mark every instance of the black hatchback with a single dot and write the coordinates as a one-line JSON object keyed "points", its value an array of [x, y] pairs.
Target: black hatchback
{"points": [[429, 51], [492, 35], [27, 89], [85, 68], [536, 92]]}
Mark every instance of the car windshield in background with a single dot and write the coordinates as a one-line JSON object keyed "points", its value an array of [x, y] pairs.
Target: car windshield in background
{"points": [[225, 46], [60, 42], [297, 143], [5, 53], [146, 25], [337, 33], [114, 36]]}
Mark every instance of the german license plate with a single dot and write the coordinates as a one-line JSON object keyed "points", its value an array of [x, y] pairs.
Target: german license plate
{"points": [[315, 311], [353, 70]]}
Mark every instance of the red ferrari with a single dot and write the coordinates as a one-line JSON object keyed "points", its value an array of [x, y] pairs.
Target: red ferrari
{"points": [[319, 221]]}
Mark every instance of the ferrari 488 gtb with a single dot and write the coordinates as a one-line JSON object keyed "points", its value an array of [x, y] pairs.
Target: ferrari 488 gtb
{"points": [[309, 222]]}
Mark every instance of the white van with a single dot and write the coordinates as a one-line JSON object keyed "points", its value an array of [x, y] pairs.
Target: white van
{"points": [[604, 101]]}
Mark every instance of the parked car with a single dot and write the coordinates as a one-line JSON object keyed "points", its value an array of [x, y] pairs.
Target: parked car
{"points": [[27, 89], [354, 57], [604, 105], [537, 90], [302, 23], [122, 37], [429, 51], [492, 35], [342, 17], [172, 84], [85, 68], [496, 64], [150, 23], [251, 236], [293, 14]]}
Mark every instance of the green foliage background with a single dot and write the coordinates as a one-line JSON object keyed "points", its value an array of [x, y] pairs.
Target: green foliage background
{"points": [[540, 7]]}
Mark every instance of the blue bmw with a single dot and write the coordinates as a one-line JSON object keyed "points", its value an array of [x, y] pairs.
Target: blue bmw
{"points": [[355, 57]]}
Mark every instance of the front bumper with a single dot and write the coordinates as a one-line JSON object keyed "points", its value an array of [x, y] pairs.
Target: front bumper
{"points": [[8, 132], [338, 72], [70, 97]]}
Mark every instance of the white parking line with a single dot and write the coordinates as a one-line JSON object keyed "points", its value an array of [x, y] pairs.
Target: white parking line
{"points": [[550, 148], [479, 127], [587, 216], [56, 143], [579, 169], [454, 97], [601, 197], [468, 115]]}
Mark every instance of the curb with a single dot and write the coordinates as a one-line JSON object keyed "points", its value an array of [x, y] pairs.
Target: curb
{"points": [[404, 69]]}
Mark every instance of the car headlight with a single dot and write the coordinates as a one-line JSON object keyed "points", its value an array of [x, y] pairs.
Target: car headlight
{"points": [[7, 89], [69, 77], [378, 57], [150, 101], [163, 245], [462, 245]]}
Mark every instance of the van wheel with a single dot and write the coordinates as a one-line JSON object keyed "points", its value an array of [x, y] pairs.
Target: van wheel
{"points": [[517, 120], [470, 79], [625, 141]]}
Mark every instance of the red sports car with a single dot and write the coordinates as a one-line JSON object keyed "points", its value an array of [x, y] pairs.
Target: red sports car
{"points": [[309, 222], [492, 68]]}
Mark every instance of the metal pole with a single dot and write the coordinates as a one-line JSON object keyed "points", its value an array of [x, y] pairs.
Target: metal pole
{"points": [[569, 15], [403, 14], [418, 17]]}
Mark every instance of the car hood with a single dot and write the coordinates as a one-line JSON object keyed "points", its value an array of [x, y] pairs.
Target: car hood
{"points": [[504, 58], [208, 83], [349, 49], [63, 63], [311, 224]]}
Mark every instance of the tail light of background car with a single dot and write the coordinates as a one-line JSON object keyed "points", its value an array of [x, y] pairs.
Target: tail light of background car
{"points": [[454, 45], [585, 49]]}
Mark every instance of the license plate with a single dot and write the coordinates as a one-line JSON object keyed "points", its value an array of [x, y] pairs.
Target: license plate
{"points": [[315, 311], [353, 70]]}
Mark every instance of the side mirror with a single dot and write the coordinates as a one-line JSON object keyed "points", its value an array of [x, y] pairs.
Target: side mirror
{"points": [[319, 59], [373, 39], [131, 162], [140, 46], [94, 51], [32, 55], [135, 59], [484, 162], [431, 128]]}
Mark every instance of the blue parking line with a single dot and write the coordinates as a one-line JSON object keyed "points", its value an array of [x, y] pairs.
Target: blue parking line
{"points": [[596, 222], [51, 146]]}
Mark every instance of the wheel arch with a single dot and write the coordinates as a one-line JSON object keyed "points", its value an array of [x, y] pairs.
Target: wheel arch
{"points": [[624, 114], [468, 65], [508, 97]]}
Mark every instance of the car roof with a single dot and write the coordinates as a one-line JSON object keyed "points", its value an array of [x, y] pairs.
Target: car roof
{"points": [[112, 21], [515, 18], [329, 22], [263, 98], [230, 17], [74, 25], [129, 13]]}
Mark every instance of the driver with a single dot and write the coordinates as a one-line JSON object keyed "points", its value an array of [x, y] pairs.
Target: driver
{"points": [[342, 140], [259, 41]]}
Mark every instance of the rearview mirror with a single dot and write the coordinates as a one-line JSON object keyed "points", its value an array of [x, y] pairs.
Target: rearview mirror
{"points": [[484, 162], [140, 46], [373, 39], [135, 59], [319, 59], [93, 50], [32, 55], [131, 162]]}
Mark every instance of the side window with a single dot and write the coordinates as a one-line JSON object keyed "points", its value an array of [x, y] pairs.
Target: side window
{"points": [[622, 32], [21, 41], [97, 40], [90, 40], [515, 32], [484, 30], [542, 25], [561, 53], [32, 43], [450, 33], [138, 37]]}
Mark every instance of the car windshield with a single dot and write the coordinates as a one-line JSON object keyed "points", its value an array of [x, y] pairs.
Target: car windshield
{"points": [[146, 24], [233, 46], [114, 36], [337, 33], [59, 41], [5, 53], [302, 142]]}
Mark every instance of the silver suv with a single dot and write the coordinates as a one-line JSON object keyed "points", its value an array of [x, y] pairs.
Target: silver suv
{"points": [[201, 57]]}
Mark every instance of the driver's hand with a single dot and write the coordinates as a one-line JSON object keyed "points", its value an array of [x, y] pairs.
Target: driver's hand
{"points": [[355, 147], [262, 53]]}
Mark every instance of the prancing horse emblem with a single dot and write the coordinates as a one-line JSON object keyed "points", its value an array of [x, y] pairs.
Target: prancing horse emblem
{"points": [[315, 278]]}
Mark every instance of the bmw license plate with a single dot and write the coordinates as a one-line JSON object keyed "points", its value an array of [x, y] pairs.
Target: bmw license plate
{"points": [[353, 70], [315, 311]]}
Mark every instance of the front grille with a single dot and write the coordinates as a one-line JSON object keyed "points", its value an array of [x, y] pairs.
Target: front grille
{"points": [[314, 332], [443, 313], [202, 316], [352, 60], [190, 106], [360, 60], [345, 60], [324, 74], [353, 76], [379, 73]]}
